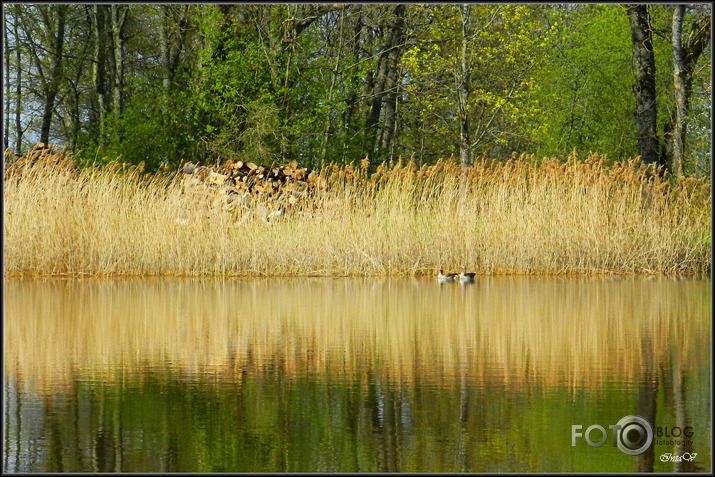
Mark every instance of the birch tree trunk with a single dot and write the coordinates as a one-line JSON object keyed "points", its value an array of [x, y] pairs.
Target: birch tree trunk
{"points": [[681, 100]]}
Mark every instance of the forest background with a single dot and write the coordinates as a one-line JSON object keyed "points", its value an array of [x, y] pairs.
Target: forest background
{"points": [[333, 84]]}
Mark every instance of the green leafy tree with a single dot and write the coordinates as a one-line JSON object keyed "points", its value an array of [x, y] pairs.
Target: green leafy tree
{"points": [[324, 83], [470, 73], [584, 91]]}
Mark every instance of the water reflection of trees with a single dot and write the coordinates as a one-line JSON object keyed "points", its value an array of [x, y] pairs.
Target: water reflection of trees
{"points": [[219, 378], [668, 375], [270, 421]]}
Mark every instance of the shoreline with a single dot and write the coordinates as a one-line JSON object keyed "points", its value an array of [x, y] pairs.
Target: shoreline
{"points": [[258, 275]]}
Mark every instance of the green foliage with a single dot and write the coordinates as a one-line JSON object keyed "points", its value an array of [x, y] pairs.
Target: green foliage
{"points": [[148, 131], [280, 82], [585, 86], [505, 43], [233, 102]]}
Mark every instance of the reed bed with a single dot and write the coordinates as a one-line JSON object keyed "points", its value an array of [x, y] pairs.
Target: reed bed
{"points": [[521, 216]]}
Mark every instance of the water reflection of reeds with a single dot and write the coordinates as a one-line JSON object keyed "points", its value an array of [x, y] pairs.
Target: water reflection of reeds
{"points": [[509, 331]]}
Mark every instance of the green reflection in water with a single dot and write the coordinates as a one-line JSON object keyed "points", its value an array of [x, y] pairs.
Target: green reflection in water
{"points": [[166, 423]]}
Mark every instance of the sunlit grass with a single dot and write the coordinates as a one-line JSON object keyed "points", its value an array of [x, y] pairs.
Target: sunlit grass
{"points": [[521, 216]]}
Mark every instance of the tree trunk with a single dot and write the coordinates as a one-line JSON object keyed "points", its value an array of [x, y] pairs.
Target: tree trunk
{"points": [[18, 88], [385, 64], [681, 106], [164, 47], [98, 69], [645, 94], [54, 83], [8, 89], [685, 56], [172, 37], [463, 86], [392, 84], [118, 19], [373, 118], [327, 126], [353, 99]]}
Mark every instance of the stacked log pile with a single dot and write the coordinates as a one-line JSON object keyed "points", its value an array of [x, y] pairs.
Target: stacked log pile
{"points": [[39, 156], [233, 186], [237, 183]]}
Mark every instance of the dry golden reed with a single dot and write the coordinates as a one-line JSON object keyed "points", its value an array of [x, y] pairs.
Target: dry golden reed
{"points": [[521, 216]]}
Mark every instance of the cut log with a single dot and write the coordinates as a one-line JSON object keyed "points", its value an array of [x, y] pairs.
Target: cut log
{"points": [[216, 178], [237, 182]]}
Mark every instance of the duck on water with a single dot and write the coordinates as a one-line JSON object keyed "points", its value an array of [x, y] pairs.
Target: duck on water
{"points": [[445, 277], [465, 277]]}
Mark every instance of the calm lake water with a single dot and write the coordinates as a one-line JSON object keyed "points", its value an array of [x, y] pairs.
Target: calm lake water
{"points": [[355, 375]]}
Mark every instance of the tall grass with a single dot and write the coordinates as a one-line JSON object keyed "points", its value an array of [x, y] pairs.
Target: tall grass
{"points": [[521, 216]]}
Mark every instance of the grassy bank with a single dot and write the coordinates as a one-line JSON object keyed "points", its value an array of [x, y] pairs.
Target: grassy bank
{"points": [[521, 216]]}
